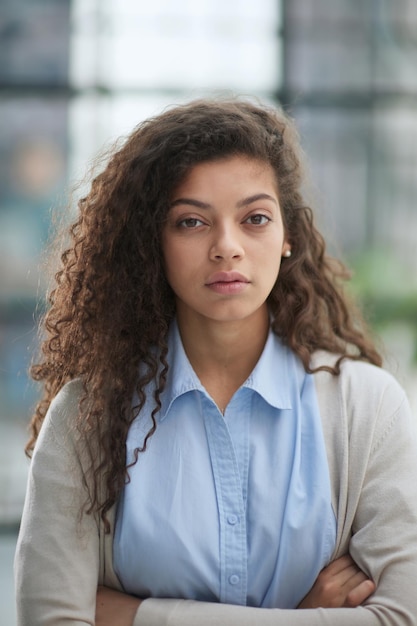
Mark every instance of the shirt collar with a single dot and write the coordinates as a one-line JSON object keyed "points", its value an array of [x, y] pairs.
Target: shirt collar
{"points": [[181, 377], [270, 377]]}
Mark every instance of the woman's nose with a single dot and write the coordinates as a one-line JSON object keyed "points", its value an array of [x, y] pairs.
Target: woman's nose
{"points": [[226, 243]]}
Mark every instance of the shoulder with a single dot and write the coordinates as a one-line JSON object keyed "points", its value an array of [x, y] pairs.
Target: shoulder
{"points": [[69, 395], [59, 424], [361, 407], [359, 384], [63, 453], [365, 417]]}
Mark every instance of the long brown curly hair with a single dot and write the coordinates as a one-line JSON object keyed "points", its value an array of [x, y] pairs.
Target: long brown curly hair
{"points": [[111, 306]]}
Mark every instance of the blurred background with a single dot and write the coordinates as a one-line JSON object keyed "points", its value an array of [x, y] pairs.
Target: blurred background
{"points": [[75, 75]]}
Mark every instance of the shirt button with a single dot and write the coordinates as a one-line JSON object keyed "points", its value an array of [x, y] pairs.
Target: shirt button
{"points": [[232, 520], [234, 579]]}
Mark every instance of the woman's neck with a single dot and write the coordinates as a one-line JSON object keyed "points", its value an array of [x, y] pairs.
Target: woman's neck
{"points": [[223, 354]]}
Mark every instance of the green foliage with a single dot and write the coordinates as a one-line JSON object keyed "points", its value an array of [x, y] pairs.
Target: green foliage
{"points": [[386, 290]]}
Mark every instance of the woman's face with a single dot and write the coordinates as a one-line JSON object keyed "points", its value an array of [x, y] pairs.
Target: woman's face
{"points": [[223, 239]]}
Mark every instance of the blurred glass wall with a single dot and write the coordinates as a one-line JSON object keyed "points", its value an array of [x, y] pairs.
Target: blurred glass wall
{"points": [[34, 45], [131, 59], [34, 96], [350, 79]]}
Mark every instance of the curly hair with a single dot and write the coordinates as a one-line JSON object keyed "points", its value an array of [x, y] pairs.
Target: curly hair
{"points": [[111, 306]]}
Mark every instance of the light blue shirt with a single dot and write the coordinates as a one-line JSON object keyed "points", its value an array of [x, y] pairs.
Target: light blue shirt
{"points": [[234, 508]]}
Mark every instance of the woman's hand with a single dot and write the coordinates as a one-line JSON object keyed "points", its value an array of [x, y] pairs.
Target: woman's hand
{"points": [[340, 584], [114, 608]]}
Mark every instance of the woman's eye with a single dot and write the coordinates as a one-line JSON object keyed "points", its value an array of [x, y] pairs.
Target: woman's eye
{"points": [[258, 219], [189, 222]]}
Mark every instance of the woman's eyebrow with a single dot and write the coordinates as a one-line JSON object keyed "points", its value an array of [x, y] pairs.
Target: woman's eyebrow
{"points": [[191, 202], [255, 198]]}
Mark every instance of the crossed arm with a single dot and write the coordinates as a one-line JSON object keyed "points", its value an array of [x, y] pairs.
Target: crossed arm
{"points": [[341, 584]]}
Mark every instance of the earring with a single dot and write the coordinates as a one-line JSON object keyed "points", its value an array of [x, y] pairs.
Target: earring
{"points": [[287, 254]]}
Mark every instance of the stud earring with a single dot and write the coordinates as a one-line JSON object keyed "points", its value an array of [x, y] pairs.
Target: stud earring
{"points": [[287, 254]]}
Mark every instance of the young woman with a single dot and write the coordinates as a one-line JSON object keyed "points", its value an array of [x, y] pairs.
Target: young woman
{"points": [[215, 428]]}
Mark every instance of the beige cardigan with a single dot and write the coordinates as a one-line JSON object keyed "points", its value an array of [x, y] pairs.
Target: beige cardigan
{"points": [[372, 453]]}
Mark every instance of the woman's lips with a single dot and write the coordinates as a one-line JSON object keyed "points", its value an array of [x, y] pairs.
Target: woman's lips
{"points": [[227, 283]]}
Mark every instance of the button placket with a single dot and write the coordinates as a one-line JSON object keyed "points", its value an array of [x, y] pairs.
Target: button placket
{"points": [[232, 520]]}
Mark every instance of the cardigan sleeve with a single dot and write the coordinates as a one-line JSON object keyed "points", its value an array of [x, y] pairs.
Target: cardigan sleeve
{"points": [[384, 525], [57, 555], [156, 612]]}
